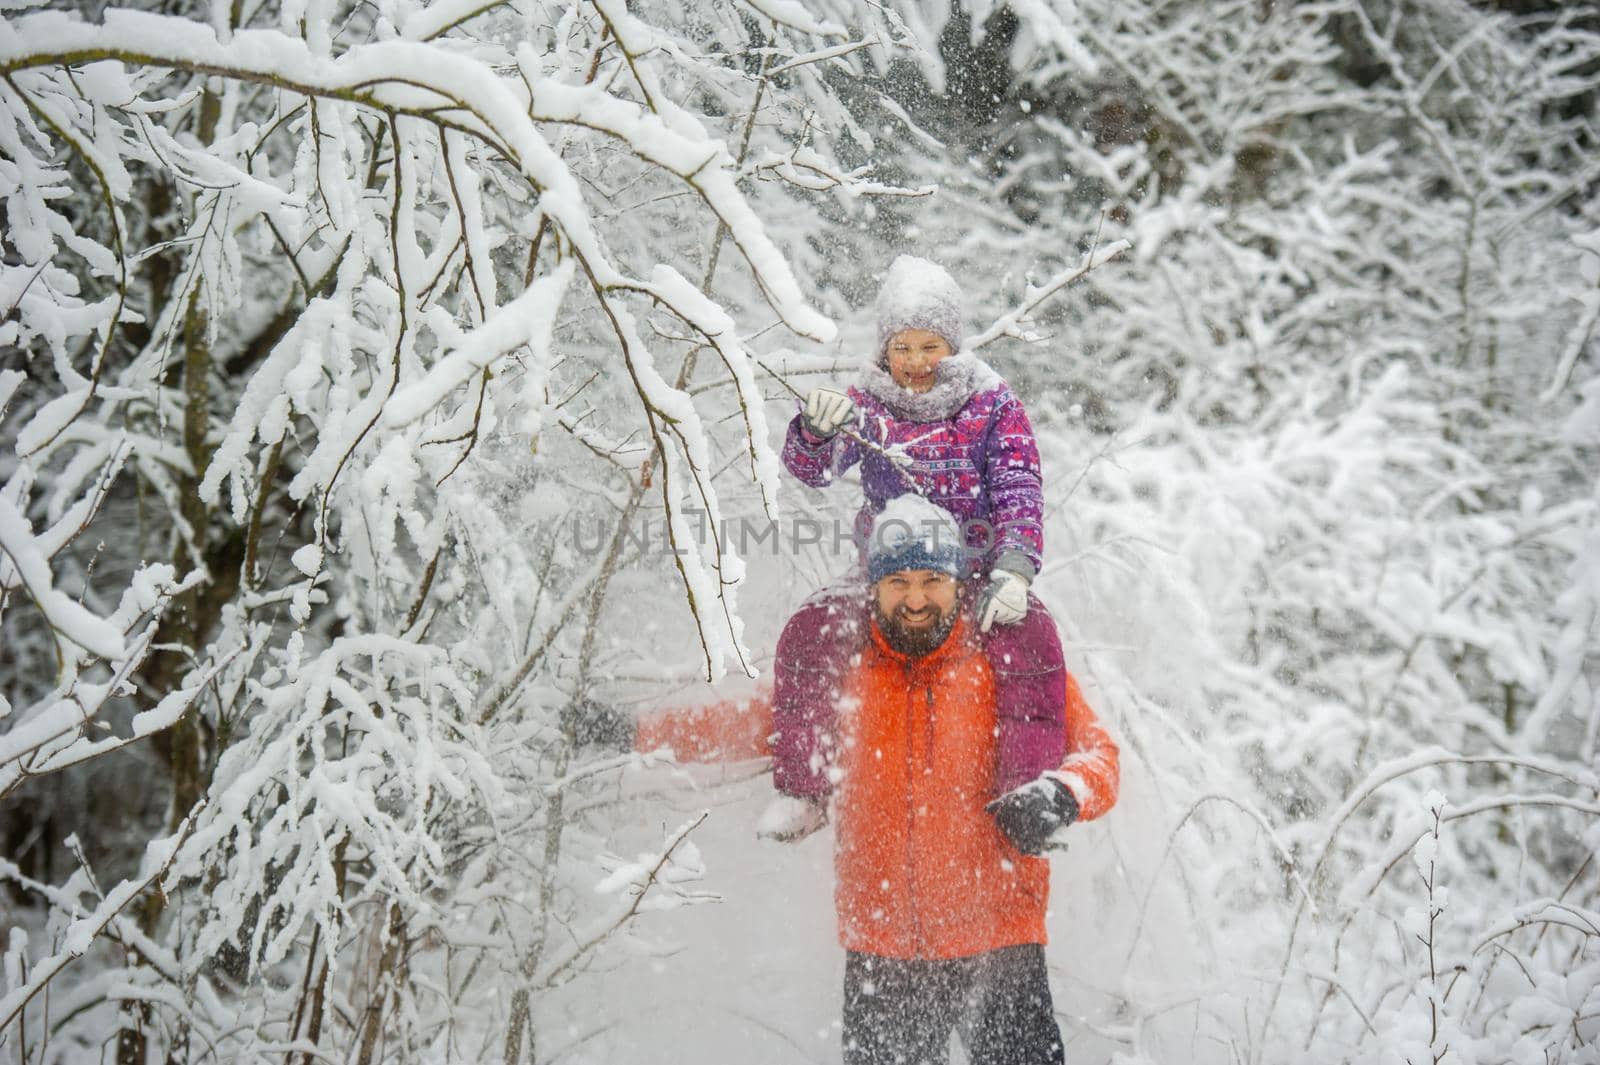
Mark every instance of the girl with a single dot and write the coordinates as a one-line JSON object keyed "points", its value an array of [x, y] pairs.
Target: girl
{"points": [[928, 418]]}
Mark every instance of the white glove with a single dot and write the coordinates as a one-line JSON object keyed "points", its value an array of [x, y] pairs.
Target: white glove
{"points": [[826, 411], [1004, 601], [789, 818]]}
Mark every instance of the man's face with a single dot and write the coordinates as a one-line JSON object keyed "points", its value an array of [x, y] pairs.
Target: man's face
{"points": [[916, 608]]}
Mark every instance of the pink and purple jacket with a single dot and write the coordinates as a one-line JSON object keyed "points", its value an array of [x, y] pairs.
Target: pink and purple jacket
{"points": [[981, 464]]}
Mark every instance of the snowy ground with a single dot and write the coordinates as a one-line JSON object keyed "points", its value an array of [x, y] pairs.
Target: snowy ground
{"points": [[757, 976], [753, 978]]}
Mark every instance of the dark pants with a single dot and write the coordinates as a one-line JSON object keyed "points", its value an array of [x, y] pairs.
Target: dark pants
{"points": [[902, 1012]]}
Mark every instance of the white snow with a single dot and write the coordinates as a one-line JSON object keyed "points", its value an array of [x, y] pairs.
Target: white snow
{"points": [[308, 559], [1322, 533], [793, 13], [912, 517], [26, 566], [914, 287], [526, 321]]}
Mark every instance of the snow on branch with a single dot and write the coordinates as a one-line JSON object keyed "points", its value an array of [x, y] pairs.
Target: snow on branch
{"points": [[26, 566], [652, 882], [82, 932], [452, 90], [793, 14], [526, 321], [1009, 323]]}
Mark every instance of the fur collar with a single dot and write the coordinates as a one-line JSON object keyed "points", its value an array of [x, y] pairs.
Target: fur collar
{"points": [[957, 379]]}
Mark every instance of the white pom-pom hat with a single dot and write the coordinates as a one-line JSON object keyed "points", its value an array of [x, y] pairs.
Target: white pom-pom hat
{"points": [[918, 294]]}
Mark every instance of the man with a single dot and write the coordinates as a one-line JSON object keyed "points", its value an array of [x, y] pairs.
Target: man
{"points": [[941, 893]]}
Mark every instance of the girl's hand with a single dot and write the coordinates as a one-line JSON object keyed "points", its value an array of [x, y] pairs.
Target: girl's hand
{"points": [[827, 410], [1004, 601]]}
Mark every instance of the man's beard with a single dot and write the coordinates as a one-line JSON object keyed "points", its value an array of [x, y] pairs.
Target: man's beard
{"points": [[914, 642]]}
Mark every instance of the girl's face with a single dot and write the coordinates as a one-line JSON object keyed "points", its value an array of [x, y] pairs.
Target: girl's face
{"points": [[914, 355]]}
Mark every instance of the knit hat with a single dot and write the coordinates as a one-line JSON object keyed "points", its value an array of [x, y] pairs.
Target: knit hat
{"points": [[918, 294], [912, 533]]}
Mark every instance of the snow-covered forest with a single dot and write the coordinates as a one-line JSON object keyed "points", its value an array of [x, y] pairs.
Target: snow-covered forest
{"points": [[380, 380]]}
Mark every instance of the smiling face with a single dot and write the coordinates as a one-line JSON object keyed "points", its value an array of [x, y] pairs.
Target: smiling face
{"points": [[914, 356], [916, 609]]}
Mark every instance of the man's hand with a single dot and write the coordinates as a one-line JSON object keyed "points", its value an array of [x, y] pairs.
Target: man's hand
{"points": [[1004, 601], [790, 818], [827, 411], [592, 724], [1029, 814]]}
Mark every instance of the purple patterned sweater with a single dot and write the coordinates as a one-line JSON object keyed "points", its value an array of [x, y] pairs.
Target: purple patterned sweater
{"points": [[970, 447]]}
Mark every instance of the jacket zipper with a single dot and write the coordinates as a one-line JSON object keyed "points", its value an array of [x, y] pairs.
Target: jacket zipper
{"points": [[911, 822]]}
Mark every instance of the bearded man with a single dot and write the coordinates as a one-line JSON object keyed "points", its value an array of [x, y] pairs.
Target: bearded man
{"points": [[941, 809]]}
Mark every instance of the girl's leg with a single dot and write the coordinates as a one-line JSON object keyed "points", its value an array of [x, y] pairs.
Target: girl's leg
{"points": [[1031, 696], [817, 646]]}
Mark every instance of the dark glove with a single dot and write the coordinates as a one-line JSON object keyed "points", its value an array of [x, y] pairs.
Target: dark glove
{"points": [[1029, 814], [592, 724]]}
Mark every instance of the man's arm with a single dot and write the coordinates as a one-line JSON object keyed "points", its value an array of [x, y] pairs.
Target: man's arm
{"points": [[1093, 765], [733, 730]]}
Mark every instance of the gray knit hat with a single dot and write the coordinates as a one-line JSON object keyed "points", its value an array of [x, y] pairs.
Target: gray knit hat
{"points": [[912, 533], [919, 294]]}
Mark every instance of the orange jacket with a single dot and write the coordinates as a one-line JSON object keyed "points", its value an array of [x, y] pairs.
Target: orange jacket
{"points": [[923, 872]]}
